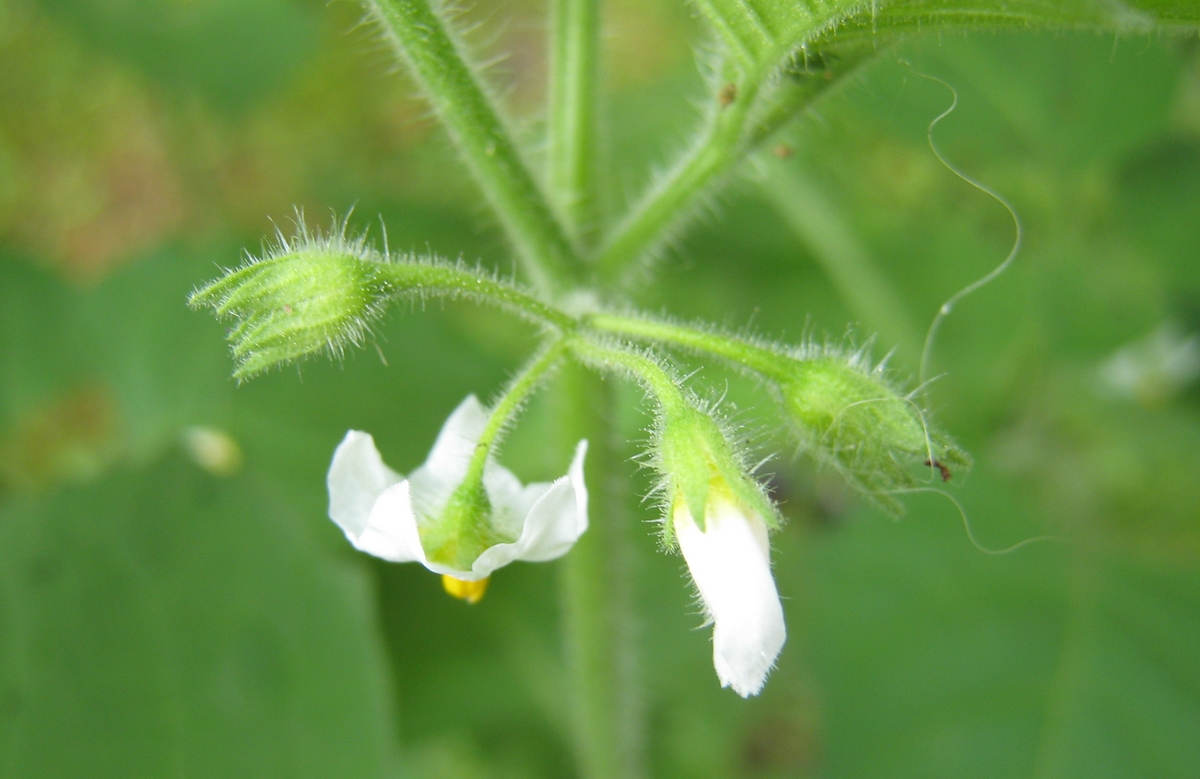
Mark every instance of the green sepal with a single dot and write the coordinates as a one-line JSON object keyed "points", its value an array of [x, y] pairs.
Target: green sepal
{"points": [[464, 528], [317, 295], [849, 417], [697, 455]]}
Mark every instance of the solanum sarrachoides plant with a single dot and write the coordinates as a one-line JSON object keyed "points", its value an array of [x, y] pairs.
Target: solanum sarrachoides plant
{"points": [[461, 514]]}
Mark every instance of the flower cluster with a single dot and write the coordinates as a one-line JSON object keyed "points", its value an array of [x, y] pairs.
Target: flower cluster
{"points": [[462, 515], [414, 519]]}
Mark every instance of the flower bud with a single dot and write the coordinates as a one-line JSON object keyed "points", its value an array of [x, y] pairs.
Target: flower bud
{"points": [[852, 419], [694, 453], [718, 517], [316, 293]]}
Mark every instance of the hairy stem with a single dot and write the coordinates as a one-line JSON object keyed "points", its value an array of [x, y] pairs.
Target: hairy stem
{"points": [[740, 26], [672, 196], [596, 590], [433, 280], [510, 402], [761, 359], [756, 101], [661, 383], [420, 36], [574, 70]]}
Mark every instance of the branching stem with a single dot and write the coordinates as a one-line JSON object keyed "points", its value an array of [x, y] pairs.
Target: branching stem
{"points": [[420, 36], [671, 198], [659, 382]]}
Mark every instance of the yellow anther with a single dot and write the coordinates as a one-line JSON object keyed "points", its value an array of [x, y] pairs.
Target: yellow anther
{"points": [[471, 592]]}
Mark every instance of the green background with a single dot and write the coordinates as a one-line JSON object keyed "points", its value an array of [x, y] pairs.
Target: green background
{"points": [[158, 619]]}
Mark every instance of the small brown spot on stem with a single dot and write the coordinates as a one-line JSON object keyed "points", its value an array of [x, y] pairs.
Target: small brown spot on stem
{"points": [[727, 95]]}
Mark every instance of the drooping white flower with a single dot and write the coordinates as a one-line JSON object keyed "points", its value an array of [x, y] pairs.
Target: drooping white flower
{"points": [[382, 513], [730, 562]]}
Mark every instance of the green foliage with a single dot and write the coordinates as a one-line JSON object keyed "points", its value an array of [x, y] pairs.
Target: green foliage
{"points": [[157, 618], [124, 645]]}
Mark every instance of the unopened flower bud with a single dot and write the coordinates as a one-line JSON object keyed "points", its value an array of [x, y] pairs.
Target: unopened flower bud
{"points": [[694, 452], [718, 516], [851, 418], [312, 294]]}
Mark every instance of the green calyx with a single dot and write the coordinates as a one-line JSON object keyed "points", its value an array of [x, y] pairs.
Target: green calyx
{"points": [[850, 418], [315, 295], [700, 464], [463, 530]]}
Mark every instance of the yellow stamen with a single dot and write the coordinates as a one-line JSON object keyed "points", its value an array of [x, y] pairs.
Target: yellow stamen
{"points": [[471, 592]]}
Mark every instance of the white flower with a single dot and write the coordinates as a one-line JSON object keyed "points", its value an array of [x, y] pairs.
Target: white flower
{"points": [[731, 565], [380, 511]]}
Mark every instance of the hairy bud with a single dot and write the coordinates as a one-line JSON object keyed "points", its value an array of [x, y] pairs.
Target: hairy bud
{"points": [[313, 294], [698, 460], [849, 417]]}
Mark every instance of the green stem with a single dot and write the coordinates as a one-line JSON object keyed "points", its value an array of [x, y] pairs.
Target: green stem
{"points": [[464, 528], [511, 401], [663, 384], [420, 36], [732, 132], [741, 27], [671, 197], [761, 359], [432, 279], [574, 70], [598, 611]]}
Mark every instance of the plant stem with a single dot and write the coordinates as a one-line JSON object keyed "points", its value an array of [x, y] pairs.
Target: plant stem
{"points": [[574, 68], [597, 594], [511, 400], [671, 197], [421, 37], [662, 384], [742, 29], [762, 359], [432, 279]]}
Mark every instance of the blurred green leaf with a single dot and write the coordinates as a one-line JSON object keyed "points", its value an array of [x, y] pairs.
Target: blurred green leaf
{"points": [[1052, 662], [169, 623], [230, 51]]}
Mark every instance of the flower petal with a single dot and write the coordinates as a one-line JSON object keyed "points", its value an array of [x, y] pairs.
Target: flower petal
{"points": [[446, 466], [730, 563], [559, 517], [357, 477], [391, 532], [370, 502], [378, 509]]}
